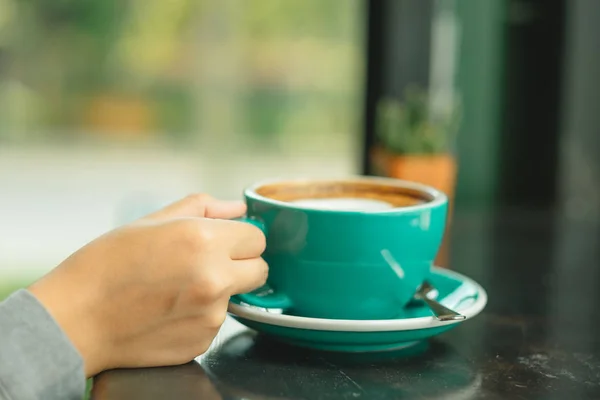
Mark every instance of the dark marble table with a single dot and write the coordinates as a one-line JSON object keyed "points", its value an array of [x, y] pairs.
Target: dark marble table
{"points": [[538, 338]]}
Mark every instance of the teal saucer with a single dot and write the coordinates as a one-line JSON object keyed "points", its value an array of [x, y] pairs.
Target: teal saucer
{"points": [[414, 324]]}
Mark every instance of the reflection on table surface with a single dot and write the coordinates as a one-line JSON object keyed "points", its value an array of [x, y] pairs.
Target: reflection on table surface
{"points": [[244, 365]]}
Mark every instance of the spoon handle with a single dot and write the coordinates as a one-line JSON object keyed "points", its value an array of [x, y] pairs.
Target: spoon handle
{"points": [[442, 313]]}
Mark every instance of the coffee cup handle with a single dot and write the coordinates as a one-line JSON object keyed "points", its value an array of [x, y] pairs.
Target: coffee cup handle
{"points": [[265, 297]]}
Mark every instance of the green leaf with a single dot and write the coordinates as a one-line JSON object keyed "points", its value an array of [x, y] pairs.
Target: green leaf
{"points": [[405, 127]]}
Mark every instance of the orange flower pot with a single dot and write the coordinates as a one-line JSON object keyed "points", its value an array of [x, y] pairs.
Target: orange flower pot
{"points": [[436, 170]]}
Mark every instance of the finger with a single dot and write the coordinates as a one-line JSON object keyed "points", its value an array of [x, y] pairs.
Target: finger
{"points": [[248, 275], [225, 209], [243, 240], [200, 205]]}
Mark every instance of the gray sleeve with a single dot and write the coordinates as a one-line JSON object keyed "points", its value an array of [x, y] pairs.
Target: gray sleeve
{"points": [[37, 360]]}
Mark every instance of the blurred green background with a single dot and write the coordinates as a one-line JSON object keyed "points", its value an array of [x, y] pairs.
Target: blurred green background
{"points": [[174, 72], [111, 108]]}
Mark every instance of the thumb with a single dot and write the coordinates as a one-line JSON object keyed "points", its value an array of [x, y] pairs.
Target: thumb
{"points": [[199, 206]]}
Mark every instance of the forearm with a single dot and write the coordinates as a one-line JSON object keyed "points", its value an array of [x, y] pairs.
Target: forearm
{"points": [[37, 360]]}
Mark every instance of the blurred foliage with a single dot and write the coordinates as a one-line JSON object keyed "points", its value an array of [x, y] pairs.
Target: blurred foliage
{"points": [[293, 18], [63, 60], [7, 288], [411, 127]]}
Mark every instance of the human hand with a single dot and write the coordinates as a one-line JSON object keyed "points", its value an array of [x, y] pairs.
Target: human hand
{"points": [[155, 292]]}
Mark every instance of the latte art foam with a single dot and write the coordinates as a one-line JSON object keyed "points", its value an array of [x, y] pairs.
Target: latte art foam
{"points": [[358, 195], [344, 204]]}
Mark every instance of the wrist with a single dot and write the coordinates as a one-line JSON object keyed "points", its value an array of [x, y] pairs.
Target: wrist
{"points": [[72, 307]]}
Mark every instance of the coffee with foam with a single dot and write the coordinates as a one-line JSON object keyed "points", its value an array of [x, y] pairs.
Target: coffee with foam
{"points": [[344, 204], [347, 195]]}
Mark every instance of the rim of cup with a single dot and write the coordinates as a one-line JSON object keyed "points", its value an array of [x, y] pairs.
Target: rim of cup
{"points": [[436, 197]]}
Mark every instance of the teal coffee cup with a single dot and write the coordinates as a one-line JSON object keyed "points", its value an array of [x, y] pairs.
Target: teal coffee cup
{"points": [[355, 248]]}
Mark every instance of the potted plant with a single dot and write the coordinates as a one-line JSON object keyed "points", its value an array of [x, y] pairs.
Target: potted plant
{"points": [[415, 140]]}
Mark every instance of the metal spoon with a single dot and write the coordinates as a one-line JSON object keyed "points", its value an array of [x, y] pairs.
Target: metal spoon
{"points": [[427, 293]]}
